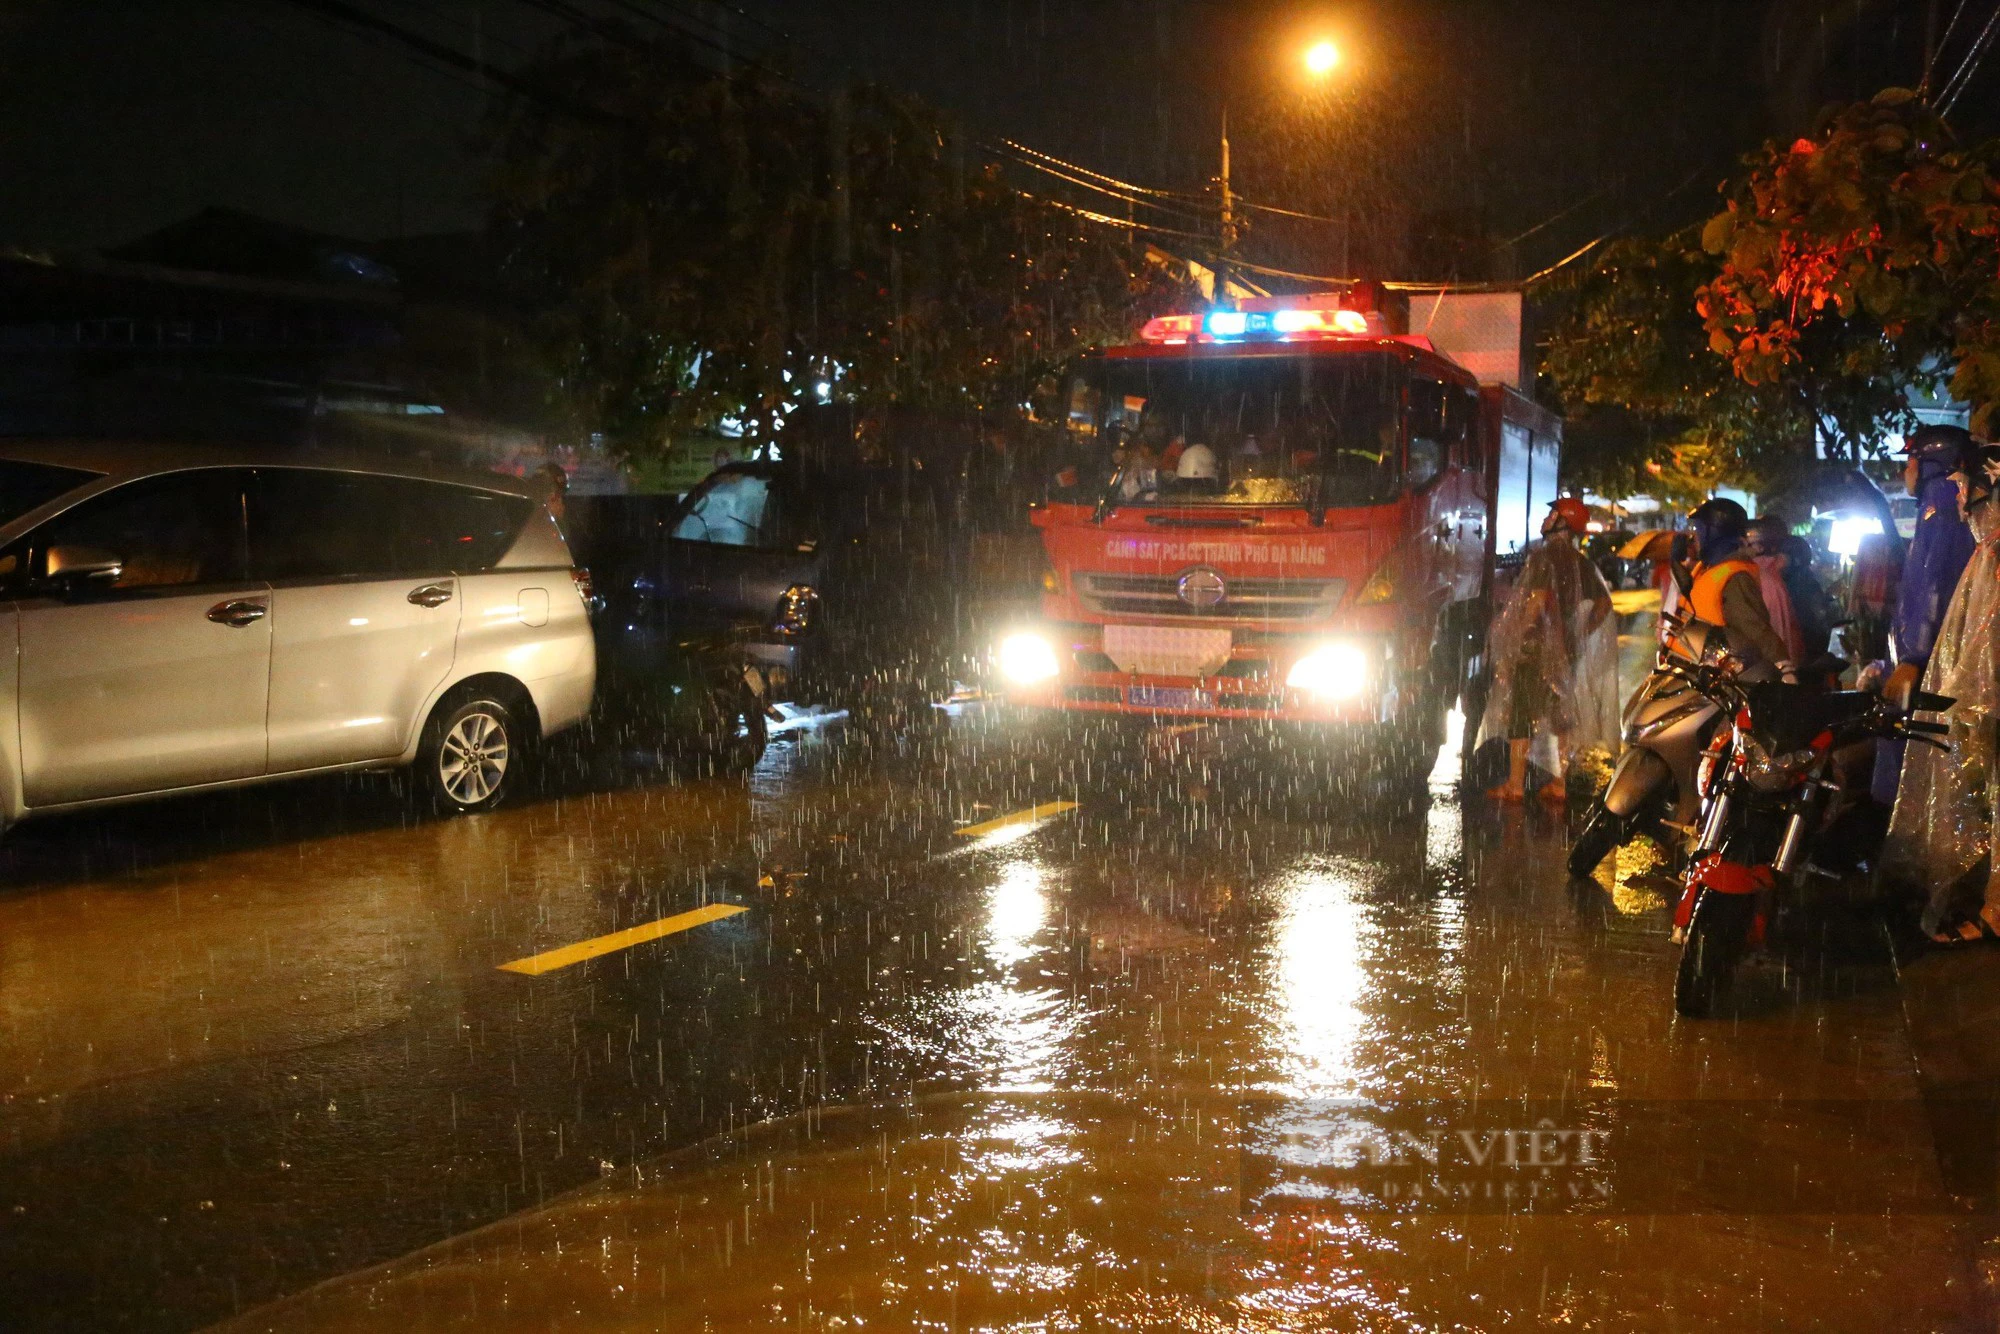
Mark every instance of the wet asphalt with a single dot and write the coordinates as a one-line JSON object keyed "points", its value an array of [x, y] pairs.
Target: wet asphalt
{"points": [[1019, 1026]]}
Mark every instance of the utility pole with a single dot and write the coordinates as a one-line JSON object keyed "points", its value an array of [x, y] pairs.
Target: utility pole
{"points": [[1228, 218]]}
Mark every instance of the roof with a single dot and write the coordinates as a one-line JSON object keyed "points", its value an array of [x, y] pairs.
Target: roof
{"points": [[120, 460]]}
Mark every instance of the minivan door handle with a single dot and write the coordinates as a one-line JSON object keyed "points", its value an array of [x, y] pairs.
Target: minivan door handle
{"points": [[431, 595], [238, 612]]}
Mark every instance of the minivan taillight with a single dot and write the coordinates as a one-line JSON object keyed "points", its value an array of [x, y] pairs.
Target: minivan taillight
{"points": [[585, 589]]}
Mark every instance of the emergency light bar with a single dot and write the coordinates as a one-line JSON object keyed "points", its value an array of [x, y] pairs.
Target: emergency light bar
{"points": [[1285, 325]]}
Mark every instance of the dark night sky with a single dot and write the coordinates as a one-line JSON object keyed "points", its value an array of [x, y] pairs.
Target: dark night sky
{"points": [[119, 115]]}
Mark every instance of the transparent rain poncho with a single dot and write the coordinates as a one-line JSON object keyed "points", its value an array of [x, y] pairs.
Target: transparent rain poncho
{"points": [[1555, 660], [1942, 827]]}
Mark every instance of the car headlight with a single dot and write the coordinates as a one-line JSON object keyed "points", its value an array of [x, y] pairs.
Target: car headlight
{"points": [[798, 607], [1338, 671], [1027, 659]]}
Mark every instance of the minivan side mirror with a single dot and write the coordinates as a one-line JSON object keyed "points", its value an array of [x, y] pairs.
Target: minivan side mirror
{"points": [[75, 568]]}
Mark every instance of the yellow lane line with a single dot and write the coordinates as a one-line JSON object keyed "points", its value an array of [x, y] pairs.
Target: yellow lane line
{"points": [[536, 965], [1029, 816], [1625, 601]]}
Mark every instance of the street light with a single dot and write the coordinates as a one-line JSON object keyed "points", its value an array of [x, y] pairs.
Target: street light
{"points": [[1321, 59]]}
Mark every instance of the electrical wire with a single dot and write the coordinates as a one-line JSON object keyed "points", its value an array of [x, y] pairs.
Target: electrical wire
{"points": [[1127, 186], [1944, 40], [1962, 77], [1553, 218], [353, 17], [1110, 221], [1171, 209], [1289, 212]]}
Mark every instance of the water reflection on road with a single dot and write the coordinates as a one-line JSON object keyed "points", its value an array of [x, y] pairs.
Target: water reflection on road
{"points": [[1138, 1033]]}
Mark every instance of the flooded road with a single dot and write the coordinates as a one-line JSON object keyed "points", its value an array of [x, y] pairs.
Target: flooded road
{"points": [[1006, 1030]]}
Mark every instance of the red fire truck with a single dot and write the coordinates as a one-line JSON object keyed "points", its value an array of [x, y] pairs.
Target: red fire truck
{"points": [[1288, 511]]}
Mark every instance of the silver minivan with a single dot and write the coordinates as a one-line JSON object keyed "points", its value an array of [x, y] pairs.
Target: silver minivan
{"points": [[177, 618]]}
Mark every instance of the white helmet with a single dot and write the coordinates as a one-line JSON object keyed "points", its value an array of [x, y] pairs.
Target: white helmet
{"points": [[1198, 461]]}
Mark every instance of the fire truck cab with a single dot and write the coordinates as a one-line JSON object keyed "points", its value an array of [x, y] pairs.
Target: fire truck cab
{"points": [[1284, 512]]}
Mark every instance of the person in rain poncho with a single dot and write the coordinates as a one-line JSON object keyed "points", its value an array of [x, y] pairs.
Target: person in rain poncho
{"points": [[1941, 832], [1763, 542], [1938, 554], [1555, 655]]}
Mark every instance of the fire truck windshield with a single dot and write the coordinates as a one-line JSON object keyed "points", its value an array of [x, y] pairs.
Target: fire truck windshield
{"points": [[1317, 430]]}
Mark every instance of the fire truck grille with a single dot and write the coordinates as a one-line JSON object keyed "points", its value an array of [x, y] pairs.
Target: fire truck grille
{"points": [[1247, 599]]}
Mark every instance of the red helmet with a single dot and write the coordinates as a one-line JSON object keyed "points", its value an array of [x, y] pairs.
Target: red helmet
{"points": [[1573, 512]]}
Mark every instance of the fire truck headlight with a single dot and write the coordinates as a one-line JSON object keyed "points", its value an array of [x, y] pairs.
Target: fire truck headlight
{"points": [[1337, 671], [1027, 659]]}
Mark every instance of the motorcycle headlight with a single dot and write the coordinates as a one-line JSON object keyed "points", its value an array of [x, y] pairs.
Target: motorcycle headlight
{"points": [[1774, 773], [1337, 671], [1027, 659]]}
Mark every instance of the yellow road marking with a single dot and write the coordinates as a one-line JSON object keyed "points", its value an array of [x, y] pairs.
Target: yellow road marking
{"points": [[536, 965], [1625, 601], [1029, 816]]}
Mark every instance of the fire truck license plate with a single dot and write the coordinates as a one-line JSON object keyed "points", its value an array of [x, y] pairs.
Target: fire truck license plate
{"points": [[1166, 697]]}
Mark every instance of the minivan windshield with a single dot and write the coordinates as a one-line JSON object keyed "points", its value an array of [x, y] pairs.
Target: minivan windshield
{"points": [[25, 486], [1317, 430]]}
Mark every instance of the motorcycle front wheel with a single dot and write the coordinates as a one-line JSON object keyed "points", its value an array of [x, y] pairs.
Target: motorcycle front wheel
{"points": [[1716, 937], [1601, 833]]}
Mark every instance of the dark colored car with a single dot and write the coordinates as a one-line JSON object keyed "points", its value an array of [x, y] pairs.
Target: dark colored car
{"points": [[837, 586], [743, 555]]}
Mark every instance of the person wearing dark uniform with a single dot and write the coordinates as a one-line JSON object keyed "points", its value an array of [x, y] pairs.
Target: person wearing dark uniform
{"points": [[1938, 555]]}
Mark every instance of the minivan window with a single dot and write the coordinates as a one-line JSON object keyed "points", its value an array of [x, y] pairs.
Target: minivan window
{"points": [[311, 523], [27, 486], [182, 528], [735, 511]]}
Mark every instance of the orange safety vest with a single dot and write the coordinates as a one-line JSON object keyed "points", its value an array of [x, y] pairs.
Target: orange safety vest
{"points": [[1705, 598]]}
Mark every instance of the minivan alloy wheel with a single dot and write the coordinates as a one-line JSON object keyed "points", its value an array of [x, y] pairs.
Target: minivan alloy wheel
{"points": [[472, 762]]}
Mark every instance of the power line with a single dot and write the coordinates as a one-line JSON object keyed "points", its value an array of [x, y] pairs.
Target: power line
{"points": [[354, 17], [1289, 212], [1110, 221], [1171, 209], [1943, 41], [1553, 218], [1127, 186], [1966, 69]]}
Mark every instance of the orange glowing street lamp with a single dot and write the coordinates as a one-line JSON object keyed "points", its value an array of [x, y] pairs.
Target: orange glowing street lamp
{"points": [[1321, 58]]}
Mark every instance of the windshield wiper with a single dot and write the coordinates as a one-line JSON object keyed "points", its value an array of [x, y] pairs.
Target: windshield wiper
{"points": [[1104, 505]]}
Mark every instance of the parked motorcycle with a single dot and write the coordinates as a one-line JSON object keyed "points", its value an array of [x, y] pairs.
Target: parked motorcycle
{"points": [[1667, 725], [1765, 783]]}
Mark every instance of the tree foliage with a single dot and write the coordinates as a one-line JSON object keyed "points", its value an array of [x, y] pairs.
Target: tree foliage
{"points": [[717, 247], [1845, 271], [1870, 250], [1651, 409]]}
